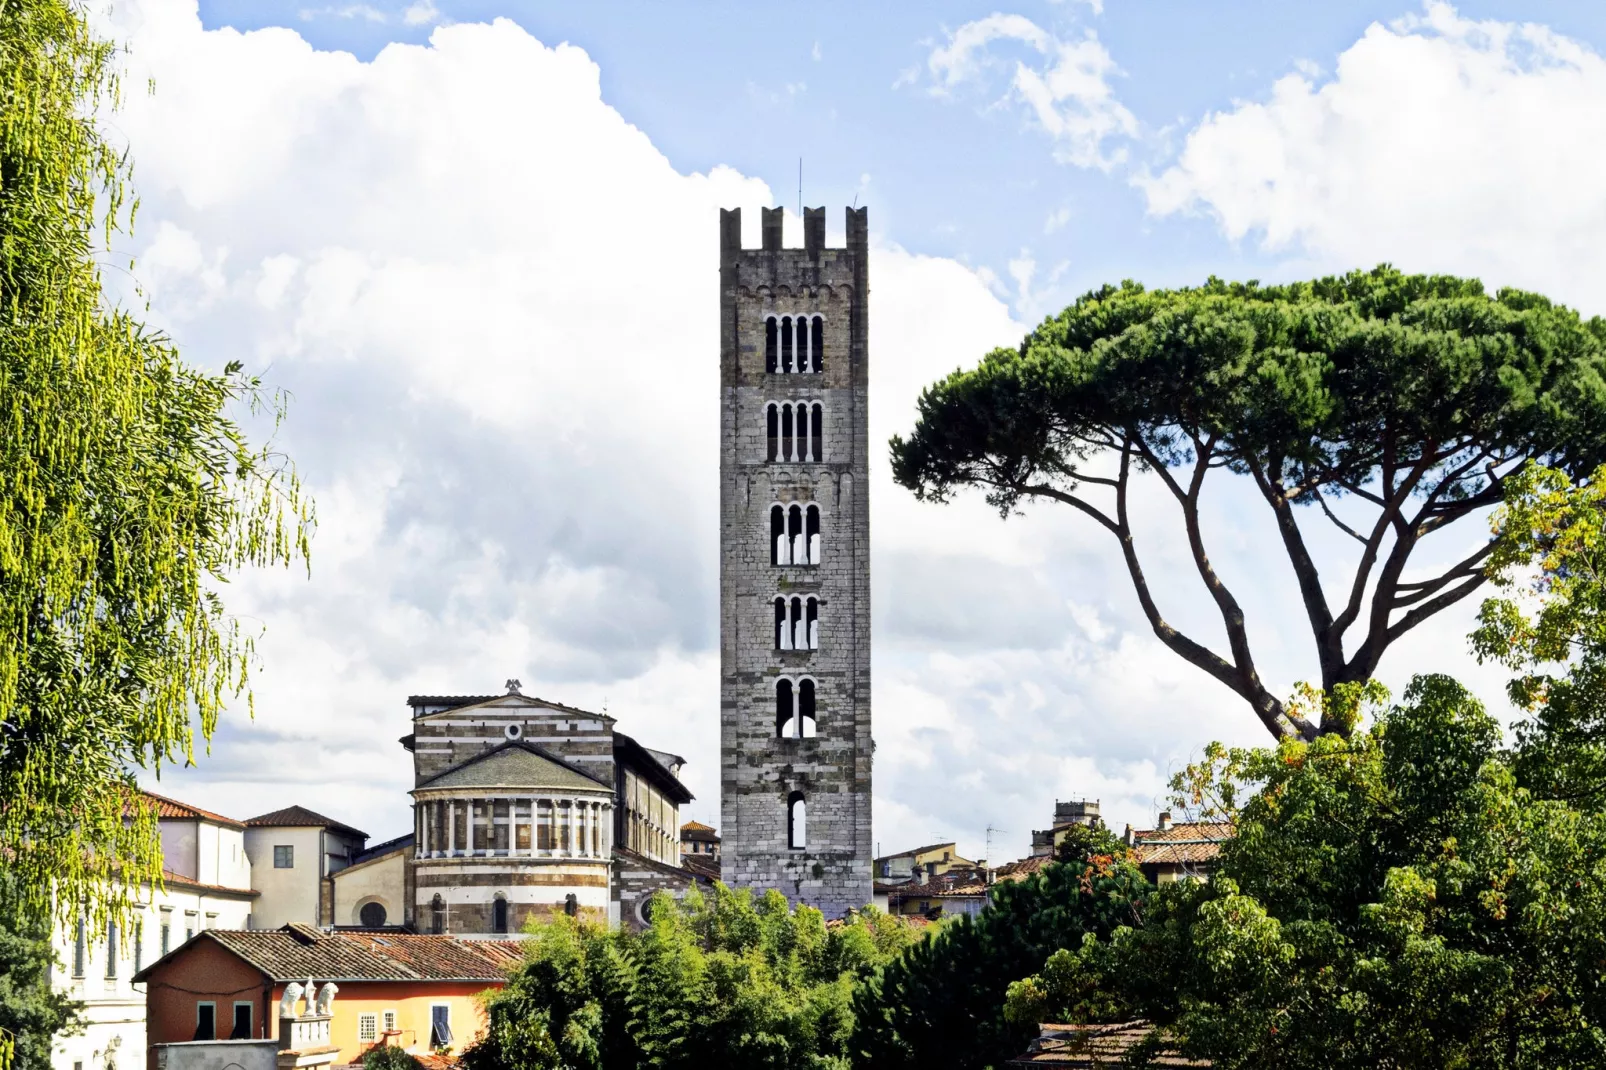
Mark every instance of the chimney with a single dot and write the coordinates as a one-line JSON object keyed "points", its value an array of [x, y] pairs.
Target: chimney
{"points": [[1165, 820], [1128, 838]]}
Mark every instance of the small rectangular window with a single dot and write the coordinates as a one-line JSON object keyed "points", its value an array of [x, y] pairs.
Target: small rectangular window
{"points": [[367, 1028], [111, 950], [189, 925], [80, 951], [211, 920], [205, 1021], [390, 1021], [242, 1020], [440, 1025], [284, 856], [139, 945]]}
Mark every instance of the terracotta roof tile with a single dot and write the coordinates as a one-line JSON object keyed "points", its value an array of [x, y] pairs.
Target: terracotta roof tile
{"points": [[300, 817], [1188, 843], [172, 808], [1019, 871], [297, 952], [1088, 1046]]}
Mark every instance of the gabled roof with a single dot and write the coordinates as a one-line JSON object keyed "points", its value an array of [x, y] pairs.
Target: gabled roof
{"points": [[1019, 871], [518, 763], [701, 833], [301, 817], [633, 755], [380, 850], [458, 703], [172, 809], [297, 952], [922, 850]]}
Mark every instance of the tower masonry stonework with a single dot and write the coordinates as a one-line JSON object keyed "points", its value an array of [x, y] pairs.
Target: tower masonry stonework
{"points": [[795, 562]]}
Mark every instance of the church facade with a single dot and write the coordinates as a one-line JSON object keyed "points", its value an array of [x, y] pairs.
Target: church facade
{"points": [[795, 562], [522, 808]]}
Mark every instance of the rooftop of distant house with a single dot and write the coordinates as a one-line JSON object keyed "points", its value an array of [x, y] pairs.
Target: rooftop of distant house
{"points": [[696, 830], [1178, 843], [297, 951], [301, 817], [171, 809], [1088, 1046]]}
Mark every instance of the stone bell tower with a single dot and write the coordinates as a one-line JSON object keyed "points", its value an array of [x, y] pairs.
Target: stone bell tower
{"points": [[795, 562]]}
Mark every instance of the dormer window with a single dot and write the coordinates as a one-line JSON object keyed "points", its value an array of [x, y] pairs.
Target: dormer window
{"points": [[795, 534], [794, 344]]}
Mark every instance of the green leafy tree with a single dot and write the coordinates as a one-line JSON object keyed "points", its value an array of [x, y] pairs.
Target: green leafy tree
{"points": [[389, 1057], [1395, 898], [1550, 626], [717, 980], [942, 1002], [32, 1011], [128, 496], [1390, 405]]}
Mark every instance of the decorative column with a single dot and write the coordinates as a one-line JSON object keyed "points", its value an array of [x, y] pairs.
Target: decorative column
{"points": [[451, 826]]}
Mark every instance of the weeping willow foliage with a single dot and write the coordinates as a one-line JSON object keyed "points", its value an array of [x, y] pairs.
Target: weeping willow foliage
{"points": [[128, 495]]}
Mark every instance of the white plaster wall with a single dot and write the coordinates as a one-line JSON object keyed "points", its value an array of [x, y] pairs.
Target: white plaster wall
{"points": [[383, 880], [114, 1011], [179, 847], [286, 894], [218, 1054]]}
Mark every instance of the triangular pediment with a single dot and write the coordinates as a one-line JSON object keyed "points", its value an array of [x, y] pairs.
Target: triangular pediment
{"points": [[514, 766], [512, 705]]}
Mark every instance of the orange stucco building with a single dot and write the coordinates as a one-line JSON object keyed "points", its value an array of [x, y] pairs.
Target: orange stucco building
{"points": [[416, 992]]}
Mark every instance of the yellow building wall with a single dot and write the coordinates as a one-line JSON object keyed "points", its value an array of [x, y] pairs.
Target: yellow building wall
{"points": [[413, 1010]]}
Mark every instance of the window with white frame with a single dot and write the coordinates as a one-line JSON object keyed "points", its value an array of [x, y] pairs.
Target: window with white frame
{"points": [[367, 1028], [390, 1022]]}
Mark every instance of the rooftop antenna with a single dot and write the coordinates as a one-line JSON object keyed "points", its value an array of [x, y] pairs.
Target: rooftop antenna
{"points": [[990, 866]]}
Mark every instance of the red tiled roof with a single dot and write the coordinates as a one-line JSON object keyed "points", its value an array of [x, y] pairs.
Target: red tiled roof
{"points": [[173, 809], [297, 952], [1189, 843], [705, 866], [1019, 871], [179, 880], [301, 817], [1088, 1046]]}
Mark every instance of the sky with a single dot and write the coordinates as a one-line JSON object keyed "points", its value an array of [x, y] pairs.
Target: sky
{"points": [[473, 244]]}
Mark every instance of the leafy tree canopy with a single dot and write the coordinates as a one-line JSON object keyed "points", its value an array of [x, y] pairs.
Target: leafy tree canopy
{"points": [[33, 1012], [128, 495], [1395, 898], [1390, 405], [717, 981], [941, 1003]]}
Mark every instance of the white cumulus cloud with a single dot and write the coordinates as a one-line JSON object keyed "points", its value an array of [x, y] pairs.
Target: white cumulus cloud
{"points": [[1440, 142], [1064, 85]]}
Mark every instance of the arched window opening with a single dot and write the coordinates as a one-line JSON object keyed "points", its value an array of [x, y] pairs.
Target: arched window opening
{"points": [[437, 915], [799, 554], [811, 531], [805, 709], [499, 914], [817, 342], [785, 721], [817, 435], [780, 545], [771, 348], [783, 630], [803, 341], [812, 622], [797, 832], [372, 915], [571, 904], [772, 423], [786, 343], [787, 433]]}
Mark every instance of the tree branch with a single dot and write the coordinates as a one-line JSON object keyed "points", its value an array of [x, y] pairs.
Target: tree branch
{"points": [[1329, 652]]}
